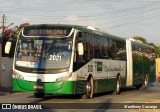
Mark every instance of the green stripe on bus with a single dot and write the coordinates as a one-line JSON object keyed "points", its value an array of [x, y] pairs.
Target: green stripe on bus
{"points": [[48, 87]]}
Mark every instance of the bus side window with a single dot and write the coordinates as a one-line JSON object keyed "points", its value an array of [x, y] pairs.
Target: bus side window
{"points": [[89, 46], [140, 49], [118, 50], [97, 47], [112, 49], [124, 51], [109, 50], [104, 49], [121, 47]]}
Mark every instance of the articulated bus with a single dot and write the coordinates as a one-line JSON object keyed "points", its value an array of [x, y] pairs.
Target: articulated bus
{"points": [[72, 59]]}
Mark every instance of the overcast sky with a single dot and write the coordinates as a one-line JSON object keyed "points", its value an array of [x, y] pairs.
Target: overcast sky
{"points": [[124, 18]]}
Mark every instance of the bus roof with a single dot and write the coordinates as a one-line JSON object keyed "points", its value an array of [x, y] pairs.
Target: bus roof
{"points": [[82, 28], [142, 44], [98, 32], [92, 30]]}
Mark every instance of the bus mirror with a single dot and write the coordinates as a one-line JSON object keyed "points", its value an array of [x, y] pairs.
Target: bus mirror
{"points": [[8, 47], [69, 46], [80, 49]]}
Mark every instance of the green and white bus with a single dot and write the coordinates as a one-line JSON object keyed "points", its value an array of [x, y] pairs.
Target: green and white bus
{"points": [[72, 59]]}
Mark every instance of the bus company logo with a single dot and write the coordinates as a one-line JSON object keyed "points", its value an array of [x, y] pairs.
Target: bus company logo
{"points": [[6, 106], [113, 68], [99, 66]]}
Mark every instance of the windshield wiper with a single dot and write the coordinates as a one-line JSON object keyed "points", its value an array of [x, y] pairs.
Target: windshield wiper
{"points": [[49, 48]]}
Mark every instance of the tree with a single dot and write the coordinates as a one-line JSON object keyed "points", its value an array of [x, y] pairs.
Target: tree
{"points": [[11, 35], [18, 29], [140, 39], [156, 48], [152, 44], [157, 51]]}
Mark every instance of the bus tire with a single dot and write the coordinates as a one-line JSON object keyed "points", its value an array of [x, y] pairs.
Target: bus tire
{"points": [[39, 95], [138, 86], [144, 86], [118, 86], [89, 88]]}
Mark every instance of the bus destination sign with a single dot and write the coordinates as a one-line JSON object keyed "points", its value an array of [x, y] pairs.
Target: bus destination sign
{"points": [[46, 31]]}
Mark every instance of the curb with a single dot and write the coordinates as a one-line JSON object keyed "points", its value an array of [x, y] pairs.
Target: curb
{"points": [[8, 91], [2, 93]]}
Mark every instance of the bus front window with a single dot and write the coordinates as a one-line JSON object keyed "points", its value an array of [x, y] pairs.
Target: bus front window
{"points": [[44, 53]]}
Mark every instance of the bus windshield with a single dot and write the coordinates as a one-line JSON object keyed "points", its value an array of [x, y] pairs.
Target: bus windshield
{"points": [[44, 53]]}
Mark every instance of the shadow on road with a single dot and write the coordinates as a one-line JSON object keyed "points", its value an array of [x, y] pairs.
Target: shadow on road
{"points": [[68, 103], [53, 96], [104, 106]]}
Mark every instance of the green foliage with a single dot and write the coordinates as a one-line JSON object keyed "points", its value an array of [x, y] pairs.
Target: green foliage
{"points": [[138, 56], [140, 39], [12, 36], [156, 48], [157, 51], [152, 44]]}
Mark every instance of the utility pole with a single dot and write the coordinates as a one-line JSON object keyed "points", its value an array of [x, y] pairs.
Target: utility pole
{"points": [[3, 29], [1, 44], [3, 26]]}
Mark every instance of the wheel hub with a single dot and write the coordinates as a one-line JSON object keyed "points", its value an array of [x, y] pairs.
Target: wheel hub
{"points": [[88, 88]]}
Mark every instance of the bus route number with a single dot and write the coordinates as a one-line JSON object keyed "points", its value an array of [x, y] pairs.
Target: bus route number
{"points": [[55, 58]]}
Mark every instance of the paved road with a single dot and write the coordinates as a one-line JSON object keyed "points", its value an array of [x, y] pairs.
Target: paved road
{"points": [[105, 102]]}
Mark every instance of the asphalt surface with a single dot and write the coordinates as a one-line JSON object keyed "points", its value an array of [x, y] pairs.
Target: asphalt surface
{"points": [[127, 96]]}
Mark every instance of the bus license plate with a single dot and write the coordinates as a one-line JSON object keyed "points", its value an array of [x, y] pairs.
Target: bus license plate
{"points": [[38, 87]]}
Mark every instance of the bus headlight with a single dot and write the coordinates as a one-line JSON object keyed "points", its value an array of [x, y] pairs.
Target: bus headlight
{"points": [[17, 75], [64, 77]]}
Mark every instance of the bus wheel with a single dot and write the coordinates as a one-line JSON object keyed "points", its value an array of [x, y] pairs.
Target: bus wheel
{"points": [[118, 86], [39, 95], [89, 88], [138, 86], [144, 86]]}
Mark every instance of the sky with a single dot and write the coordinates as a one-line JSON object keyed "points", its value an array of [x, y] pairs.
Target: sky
{"points": [[123, 18]]}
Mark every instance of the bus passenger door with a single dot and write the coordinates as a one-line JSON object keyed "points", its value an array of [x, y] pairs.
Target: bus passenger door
{"points": [[129, 81], [79, 59]]}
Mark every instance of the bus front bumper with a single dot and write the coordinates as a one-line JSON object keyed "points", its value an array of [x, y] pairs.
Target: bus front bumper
{"points": [[62, 87]]}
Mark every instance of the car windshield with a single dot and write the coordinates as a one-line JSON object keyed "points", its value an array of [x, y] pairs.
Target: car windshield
{"points": [[44, 53]]}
